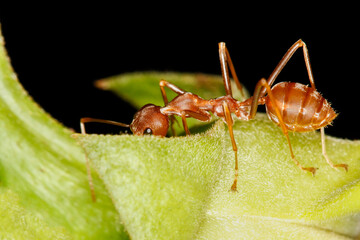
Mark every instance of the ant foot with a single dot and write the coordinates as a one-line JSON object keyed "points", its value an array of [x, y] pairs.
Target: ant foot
{"points": [[234, 186], [343, 165], [310, 169]]}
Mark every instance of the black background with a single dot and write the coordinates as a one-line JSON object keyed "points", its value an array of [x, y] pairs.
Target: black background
{"points": [[58, 52]]}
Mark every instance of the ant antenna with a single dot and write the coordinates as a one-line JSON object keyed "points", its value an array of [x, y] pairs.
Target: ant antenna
{"points": [[87, 120], [88, 169]]}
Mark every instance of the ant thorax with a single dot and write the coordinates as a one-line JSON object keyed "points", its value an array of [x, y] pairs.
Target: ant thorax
{"points": [[240, 109], [188, 105]]}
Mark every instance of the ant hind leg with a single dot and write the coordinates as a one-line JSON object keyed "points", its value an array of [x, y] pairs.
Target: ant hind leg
{"points": [[264, 84], [335, 166]]}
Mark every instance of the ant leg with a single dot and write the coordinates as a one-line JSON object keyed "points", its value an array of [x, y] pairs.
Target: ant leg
{"points": [[172, 87], [335, 166], [183, 118], [285, 59], [88, 169], [226, 63], [230, 122], [175, 89], [257, 99], [263, 83]]}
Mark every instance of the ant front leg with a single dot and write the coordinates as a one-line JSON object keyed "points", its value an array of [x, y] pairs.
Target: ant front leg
{"points": [[264, 84], [226, 63], [183, 118], [172, 87], [175, 89], [229, 122]]}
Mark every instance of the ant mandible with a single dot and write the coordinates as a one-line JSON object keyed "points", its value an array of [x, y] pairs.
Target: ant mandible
{"points": [[293, 106]]}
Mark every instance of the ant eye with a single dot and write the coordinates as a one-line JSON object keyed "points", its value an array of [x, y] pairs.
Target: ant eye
{"points": [[148, 131]]}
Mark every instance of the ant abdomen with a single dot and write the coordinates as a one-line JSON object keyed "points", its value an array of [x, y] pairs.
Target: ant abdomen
{"points": [[301, 107]]}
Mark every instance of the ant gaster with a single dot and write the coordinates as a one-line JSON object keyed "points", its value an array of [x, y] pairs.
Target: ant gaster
{"points": [[293, 106]]}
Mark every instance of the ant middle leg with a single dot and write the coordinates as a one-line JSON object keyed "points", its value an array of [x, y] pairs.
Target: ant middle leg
{"points": [[226, 63], [229, 122], [264, 84]]}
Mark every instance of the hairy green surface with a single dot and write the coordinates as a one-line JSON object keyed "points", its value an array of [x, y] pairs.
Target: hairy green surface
{"points": [[178, 188], [45, 167], [275, 200], [17, 223]]}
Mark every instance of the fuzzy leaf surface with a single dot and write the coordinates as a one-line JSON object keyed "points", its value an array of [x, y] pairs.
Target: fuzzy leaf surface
{"points": [[178, 187]]}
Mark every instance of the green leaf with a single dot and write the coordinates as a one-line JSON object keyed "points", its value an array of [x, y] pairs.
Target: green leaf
{"points": [[141, 88], [178, 187], [45, 167], [17, 223]]}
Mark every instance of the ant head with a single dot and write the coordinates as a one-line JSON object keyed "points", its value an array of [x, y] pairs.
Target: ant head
{"points": [[149, 120]]}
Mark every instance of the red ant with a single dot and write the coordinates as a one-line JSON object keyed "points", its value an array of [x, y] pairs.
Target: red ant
{"points": [[293, 106]]}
